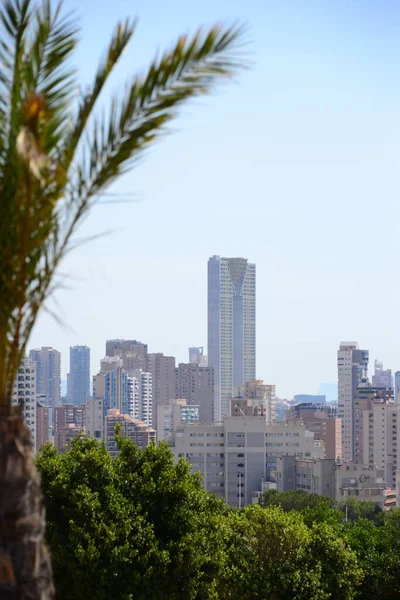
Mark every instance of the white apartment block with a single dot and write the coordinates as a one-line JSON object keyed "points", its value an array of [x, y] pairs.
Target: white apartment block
{"points": [[140, 396], [380, 443], [25, 392], [234, 456], [352, 373]]}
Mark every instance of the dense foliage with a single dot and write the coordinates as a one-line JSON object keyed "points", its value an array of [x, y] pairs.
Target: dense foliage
{"points": [[140, 526]]}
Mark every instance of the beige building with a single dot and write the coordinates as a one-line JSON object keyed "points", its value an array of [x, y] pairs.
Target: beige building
{"points": [[137, 431], [322, 421], [261, 399], [380, 442], [195, 383], [329, 478], [162, 369], [363, 400], [94, 418], [234, 456]]}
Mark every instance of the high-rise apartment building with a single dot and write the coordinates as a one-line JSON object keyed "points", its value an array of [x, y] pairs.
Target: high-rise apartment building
{"points": [[364, 398], [48, 374], [196, 385], [380, 446], [141, 398], [79, 375], [231, 327], [133, 353], [162, 369], [382, 378], [352, 374], [42, 425], [69, 424], [25, 393]]}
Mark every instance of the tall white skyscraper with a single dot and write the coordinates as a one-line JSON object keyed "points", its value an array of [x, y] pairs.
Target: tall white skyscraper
{"points": [[352, 374], [231, 327]]}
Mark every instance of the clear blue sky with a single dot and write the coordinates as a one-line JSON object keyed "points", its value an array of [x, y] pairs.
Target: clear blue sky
{"points": [[296, 168]]}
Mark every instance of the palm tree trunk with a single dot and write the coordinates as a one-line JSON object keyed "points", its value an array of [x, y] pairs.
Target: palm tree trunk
{"points": [[25, 567]]}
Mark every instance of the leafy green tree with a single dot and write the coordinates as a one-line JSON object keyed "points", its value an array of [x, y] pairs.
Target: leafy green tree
{"points": [[272, 555], [359, 509], [58, 154], [294, 500], [137, 526]]}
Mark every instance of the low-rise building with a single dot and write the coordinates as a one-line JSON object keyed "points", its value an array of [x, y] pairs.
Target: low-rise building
{"points": [[335, 480], [234, 456]]}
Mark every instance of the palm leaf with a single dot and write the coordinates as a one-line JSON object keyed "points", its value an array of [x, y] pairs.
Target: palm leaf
{"points": [[84, 151]]}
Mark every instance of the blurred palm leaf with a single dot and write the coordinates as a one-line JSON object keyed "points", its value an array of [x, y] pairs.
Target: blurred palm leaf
{"points": [[59, 152]]}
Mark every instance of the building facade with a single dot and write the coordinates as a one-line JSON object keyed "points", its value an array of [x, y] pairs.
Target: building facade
{"points": [[332, 479], [322, 421], [24, 393], [141, 398], [231, 327], [137, 431], [175, 413], [78, 379], [42, 425], [352, 374], [94, 418], [196, 385], [48, 374], [162, 369], [380, 441], [69, 424], [235, 455]]}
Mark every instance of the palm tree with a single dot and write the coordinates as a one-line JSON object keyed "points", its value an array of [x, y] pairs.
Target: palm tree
{"points": [[57, 155]]}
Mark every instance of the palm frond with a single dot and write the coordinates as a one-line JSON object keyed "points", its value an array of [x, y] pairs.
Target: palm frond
{"points": [[119, 41], [190, 69], [50, 173], [48, 72]]}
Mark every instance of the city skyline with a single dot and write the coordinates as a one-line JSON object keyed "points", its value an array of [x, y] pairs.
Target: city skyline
{"points": [[277, 184]]}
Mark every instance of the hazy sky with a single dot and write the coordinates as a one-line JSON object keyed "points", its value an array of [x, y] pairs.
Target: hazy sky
{"points": [[296, 168]]}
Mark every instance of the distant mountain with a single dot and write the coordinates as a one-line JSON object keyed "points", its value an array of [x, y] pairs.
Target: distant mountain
{"points": [[330, 390]]}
